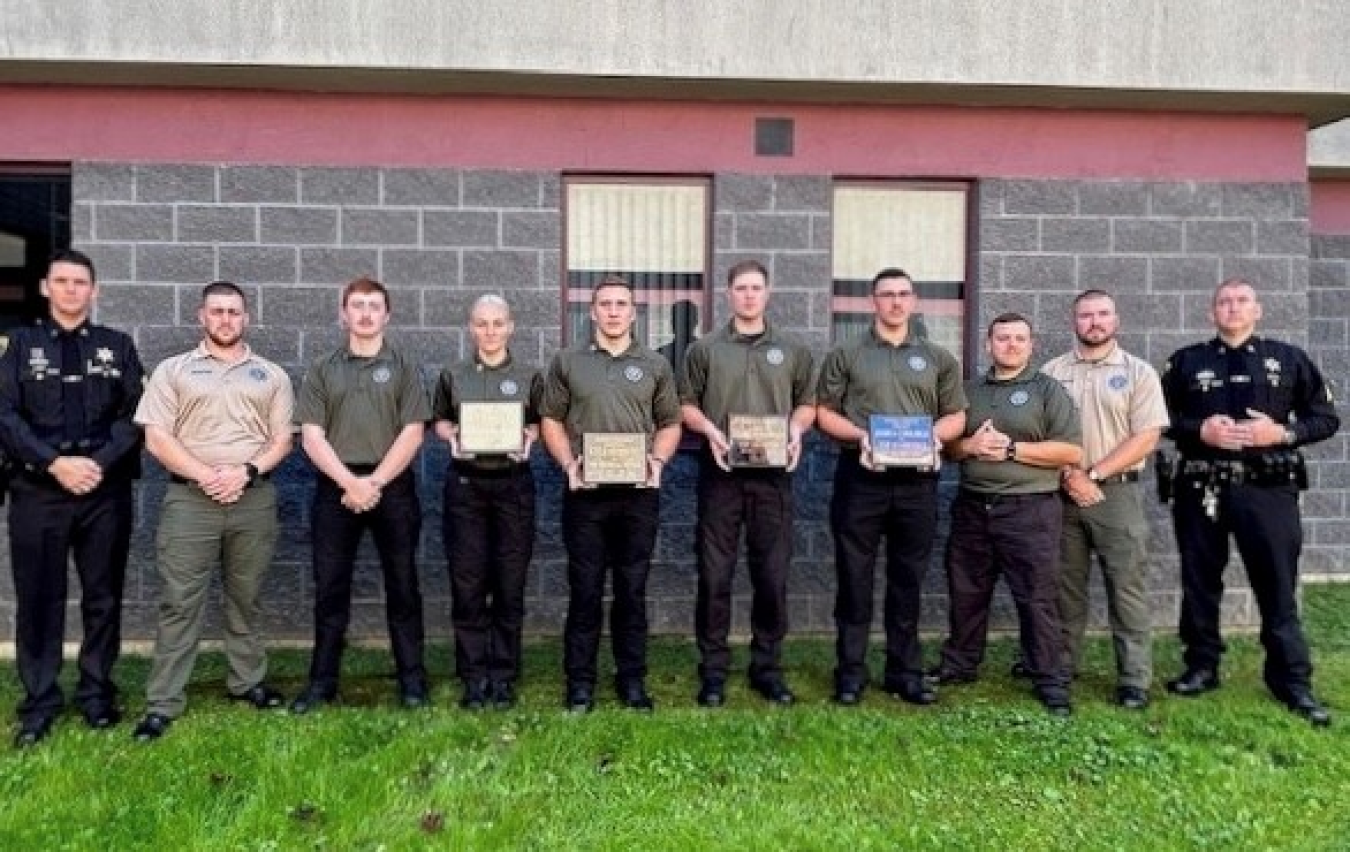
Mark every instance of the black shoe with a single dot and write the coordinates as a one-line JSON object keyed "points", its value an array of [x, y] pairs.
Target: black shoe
{"points": [[102, 718], [152, 727], [414, 696], [580, 698], [1056, 701], [1194, 682], [633, 694], [33, 731], [712, 693], [911, 691], [261, 696], [503, 695], [1301, 701], [1019, 670], [475, 695], [949, 677], [848, 694], [774, 691], [1132, 697], [312, 698]]}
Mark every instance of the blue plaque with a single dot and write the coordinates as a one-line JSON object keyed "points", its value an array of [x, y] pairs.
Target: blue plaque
{"points": [[902, 441]]}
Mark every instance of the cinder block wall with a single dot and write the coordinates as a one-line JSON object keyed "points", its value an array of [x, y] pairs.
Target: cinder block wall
{"points": [[439, 238]]}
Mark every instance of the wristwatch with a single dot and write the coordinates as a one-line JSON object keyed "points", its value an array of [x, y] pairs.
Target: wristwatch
{"points": [[1094, 475], [1011, 455], [1290, 436], [252, 470]]}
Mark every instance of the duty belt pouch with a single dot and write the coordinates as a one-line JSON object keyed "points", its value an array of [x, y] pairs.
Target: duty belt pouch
{"points": [[1285, 467], [1165, 470]]}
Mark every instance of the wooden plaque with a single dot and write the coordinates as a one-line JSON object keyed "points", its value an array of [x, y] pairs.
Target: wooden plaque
{"points": [[757, 440], [902, 441], [614, 458], [491, 428]]}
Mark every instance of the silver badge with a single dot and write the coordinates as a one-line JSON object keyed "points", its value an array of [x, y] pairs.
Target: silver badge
{"points": [[381, 375], [632, 374], [508, 387], [1273, 371], [774, 356], [917, 363], [1019, 398], [1206, 380]]}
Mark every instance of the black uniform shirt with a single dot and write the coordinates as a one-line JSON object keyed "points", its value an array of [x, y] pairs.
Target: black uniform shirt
{"points": [[71, 393], [1269, 376]]}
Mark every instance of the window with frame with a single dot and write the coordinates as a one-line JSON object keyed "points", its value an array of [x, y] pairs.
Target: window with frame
{"points": [[655, 233], [921, 228]]}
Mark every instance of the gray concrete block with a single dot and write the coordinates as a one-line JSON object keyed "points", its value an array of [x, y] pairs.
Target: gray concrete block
{"points": [[1219, 236], [155, 343], [1283, 237], [498, 189], [1039, 272], [259, 184], [258, 264], [1258, 200], [81, 222], [319, 341], [1112, 273], [1075, 235], [1147, 236], [175, 183], [1040, 197], [532, 309], [299, 306], [421, 267], [298, 225], [113, 261], [999, 233], [189, 299], [507, 270], [1171, 274], [102, 182], [1330, 246], [1113, 198], [990, 272], [807, 193], [421, 187], [550, 270], [133, 222], [1329, 305], [216, 224], [342, 186], [768, 231], [989, 197], [804, 271], [179, 263], [542, 230], [1267, 273], [132, 305], [378, 227], [1145, 312], [822, 232], [460, 228], [1188, 198], [723, 231], [737, 193], [337, 265]]}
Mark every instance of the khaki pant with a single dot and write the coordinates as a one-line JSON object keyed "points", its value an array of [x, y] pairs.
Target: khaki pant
{"points": [[197, 534], [1117, 532]]}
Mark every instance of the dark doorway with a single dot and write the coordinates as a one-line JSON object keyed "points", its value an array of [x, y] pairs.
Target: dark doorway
{"points": [[34, 222]]}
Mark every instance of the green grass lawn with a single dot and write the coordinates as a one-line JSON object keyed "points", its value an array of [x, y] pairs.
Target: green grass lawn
{"points": [[984, 769]]}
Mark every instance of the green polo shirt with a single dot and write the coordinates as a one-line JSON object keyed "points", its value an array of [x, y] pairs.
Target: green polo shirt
{"points": [[1031, 406], [362, 404], [590, 390], [869, 375], [729, 373], [471, 380]]}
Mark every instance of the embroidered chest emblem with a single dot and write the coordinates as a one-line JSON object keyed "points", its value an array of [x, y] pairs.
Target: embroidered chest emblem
{"points": [[381, 375], [633, 374], [917, 363], [1019, 398], [774, 356], [1117, 383], [508, 387]]}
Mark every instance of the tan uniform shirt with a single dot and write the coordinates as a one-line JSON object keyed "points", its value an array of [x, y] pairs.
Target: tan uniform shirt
{"points": [[221, 412], [1116, 397]]}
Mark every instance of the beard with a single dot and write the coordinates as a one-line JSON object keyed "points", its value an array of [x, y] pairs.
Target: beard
{"points": [[224, 341]]}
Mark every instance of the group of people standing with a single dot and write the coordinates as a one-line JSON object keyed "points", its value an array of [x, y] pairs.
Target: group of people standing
{"points": [[1050, 469]]}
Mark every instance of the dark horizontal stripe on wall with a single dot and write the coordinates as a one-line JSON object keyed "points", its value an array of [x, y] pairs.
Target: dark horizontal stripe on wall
{"points": [[586, 279], [925, 289]]}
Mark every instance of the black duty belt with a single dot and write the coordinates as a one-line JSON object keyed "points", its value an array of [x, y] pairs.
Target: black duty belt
{"points": [[1120, 478], [183, 480], [1284, 468]]}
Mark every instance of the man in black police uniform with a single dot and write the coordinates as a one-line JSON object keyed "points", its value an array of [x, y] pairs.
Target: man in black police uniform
{"points": [[68, 390], [1240, 405]]}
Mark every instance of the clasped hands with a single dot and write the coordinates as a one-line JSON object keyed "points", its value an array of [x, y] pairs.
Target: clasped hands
{"points": [[1226, 433]]}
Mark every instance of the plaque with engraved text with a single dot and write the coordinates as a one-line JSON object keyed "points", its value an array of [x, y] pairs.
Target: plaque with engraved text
{"points": [[902, 441], [757, 440], [491, 428], [614, 458]]}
